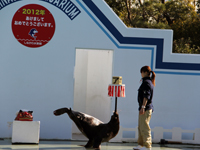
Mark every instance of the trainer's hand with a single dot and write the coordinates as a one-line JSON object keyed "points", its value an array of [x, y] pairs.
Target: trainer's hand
{"points": [[142, 111]]}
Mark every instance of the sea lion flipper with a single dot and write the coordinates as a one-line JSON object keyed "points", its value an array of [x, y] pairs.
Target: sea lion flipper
{"points": [[89, 144], [97, 142]]}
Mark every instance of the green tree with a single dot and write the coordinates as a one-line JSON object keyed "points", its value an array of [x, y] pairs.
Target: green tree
{"points": [[198, 6], [178, 15], [136, 13]]}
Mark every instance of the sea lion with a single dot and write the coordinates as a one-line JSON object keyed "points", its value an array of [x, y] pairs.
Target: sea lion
{"points": [[94, 129]]}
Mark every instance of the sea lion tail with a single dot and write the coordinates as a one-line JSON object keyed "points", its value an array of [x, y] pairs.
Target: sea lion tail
{"points": [[61, 111]]}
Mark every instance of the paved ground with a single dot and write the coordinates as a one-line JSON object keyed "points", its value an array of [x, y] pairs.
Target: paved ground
{"points": [[75, 145]]}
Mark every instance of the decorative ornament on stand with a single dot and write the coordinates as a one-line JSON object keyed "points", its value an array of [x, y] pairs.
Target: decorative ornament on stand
{"points": [[24, 115]]}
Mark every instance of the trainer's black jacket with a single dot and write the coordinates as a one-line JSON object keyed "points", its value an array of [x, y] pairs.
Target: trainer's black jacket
{"points": [[146, 90]]}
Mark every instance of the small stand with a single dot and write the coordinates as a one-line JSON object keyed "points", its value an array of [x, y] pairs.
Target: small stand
{"points": [[25, 132]]}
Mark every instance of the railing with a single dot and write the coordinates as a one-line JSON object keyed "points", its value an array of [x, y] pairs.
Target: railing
{"points": [[176, 135]]}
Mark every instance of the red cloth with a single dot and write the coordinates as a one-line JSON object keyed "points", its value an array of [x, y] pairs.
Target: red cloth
{"points": [[116, 90]]}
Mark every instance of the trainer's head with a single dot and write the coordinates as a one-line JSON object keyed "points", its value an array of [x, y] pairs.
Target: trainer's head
{"points": [[147, 72]]}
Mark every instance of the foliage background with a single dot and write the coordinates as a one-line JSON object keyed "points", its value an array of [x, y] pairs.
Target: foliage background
{"points": [[182, 16]]}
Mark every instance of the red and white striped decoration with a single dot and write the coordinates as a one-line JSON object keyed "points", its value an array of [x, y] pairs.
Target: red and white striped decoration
{"points": [[116, 90]]}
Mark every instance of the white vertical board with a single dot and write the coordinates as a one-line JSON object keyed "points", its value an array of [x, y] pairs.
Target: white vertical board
{"points": [[93, 73]]}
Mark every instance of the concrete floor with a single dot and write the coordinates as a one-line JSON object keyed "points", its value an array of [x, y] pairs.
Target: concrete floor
{"points": [[5, 144]]}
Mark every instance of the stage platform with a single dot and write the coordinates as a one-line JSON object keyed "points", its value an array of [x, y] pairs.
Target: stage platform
{"points": [[5, 144]]}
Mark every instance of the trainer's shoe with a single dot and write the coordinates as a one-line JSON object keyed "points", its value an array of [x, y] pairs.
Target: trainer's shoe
{"points": [[144, 148], [138, 147]]}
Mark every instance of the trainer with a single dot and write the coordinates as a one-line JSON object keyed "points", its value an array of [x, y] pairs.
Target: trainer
{"points": [[145, 95]]}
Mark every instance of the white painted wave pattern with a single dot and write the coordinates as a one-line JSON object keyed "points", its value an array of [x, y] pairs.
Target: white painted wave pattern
{"points": [[33, 43], [33, 40]]}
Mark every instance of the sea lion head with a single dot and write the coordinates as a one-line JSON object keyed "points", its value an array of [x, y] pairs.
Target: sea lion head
{"points": [[61, 111], [114, 118]]}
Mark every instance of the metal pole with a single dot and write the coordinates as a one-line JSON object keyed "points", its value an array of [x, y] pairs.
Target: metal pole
{"points": [[115, 104]]}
